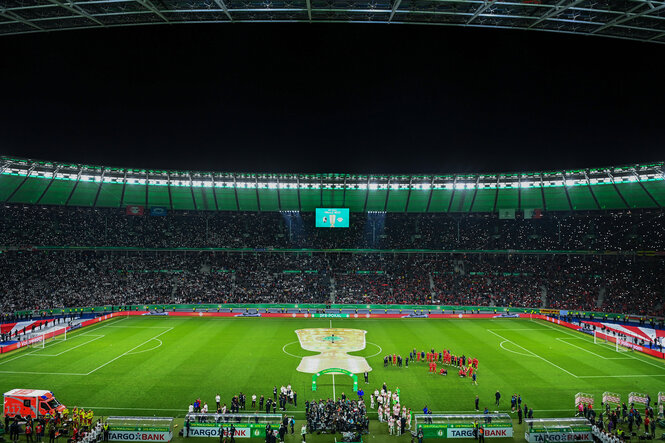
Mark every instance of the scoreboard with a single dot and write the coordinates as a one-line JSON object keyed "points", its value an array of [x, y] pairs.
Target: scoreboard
{"points": [[332, 217]]}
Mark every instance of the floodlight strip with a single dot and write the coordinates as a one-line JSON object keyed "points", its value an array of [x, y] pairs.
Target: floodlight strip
{"points": [[588, 177]]}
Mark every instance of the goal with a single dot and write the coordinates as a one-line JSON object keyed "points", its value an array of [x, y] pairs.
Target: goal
{"points": [[41, 338], [619, 345]]}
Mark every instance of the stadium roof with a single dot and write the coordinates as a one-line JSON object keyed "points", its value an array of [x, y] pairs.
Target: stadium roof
{"points": [[641, 20], [47, 183]]}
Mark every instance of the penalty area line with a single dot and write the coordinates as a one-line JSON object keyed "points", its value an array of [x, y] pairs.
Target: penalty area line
{"points": [[96, 337], [127, 352], [534, 354], [578, 334], [40, 373]]}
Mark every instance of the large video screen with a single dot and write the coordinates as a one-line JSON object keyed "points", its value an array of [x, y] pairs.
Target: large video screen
{"points": [[332, 217]]}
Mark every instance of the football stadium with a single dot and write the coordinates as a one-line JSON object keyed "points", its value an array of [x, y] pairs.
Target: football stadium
{"points": [[265, 220], [178, 305]]}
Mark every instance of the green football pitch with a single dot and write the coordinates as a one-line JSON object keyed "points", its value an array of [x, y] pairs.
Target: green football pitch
{"points": [[158, 365]]}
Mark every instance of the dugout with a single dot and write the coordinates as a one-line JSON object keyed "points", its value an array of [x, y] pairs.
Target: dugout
{"points": [[497, 425], [557, 430]]}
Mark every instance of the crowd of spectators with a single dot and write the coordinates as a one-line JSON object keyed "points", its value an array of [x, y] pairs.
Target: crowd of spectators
{"points": [[55, 279], [65, 226], [337, 416], [623, 423]]}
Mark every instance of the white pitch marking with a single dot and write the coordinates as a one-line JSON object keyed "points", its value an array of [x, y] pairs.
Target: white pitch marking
{"points": [[2, 362], [334, 385], [563, 340], [510, 350], [103, 324], [25, 354], [127, 352], [380, 349], [563, 329], [288, 353], [534, 354], [517, 329], [40, 373], [97, 337], [620, 376], [148, 350], [139, 327]]}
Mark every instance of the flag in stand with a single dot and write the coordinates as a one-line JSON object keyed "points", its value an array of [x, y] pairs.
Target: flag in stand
{"points": [[533, 213], [134, 210]]}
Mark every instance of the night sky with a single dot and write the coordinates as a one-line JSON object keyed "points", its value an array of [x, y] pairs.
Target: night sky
{"points": [[331, 98]]}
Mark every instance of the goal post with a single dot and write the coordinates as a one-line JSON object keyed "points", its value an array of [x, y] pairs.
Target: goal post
{"points": [[617, 343], [36, 340], [599, 337], [40, 339], [60, 333]]}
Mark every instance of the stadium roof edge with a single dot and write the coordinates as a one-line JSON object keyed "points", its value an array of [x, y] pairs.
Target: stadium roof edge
{"points": [[637, 21]]}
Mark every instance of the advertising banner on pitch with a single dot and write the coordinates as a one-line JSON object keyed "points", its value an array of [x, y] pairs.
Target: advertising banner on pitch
{"points": [[244, 430], [463, 430], [140, 436], [577, 433]]}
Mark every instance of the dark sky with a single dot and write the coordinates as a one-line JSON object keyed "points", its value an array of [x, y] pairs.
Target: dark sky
{"points": [[331, 98]]}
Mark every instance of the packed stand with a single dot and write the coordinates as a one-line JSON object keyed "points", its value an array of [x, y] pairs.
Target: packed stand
{"points": [[95, 227], [56, 279]]}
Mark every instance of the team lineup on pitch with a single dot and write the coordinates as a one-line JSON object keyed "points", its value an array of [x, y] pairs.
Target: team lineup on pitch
{"points": [[152, 365]]}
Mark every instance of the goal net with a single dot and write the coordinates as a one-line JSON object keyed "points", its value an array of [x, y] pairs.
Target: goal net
{"points": [[617, 343], [42, 338]]}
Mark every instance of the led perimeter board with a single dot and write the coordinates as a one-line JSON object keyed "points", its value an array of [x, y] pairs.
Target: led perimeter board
{"points": [[332, 217]]}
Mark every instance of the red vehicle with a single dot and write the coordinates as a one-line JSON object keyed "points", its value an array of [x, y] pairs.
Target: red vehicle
{"points": [[31, 402]]}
